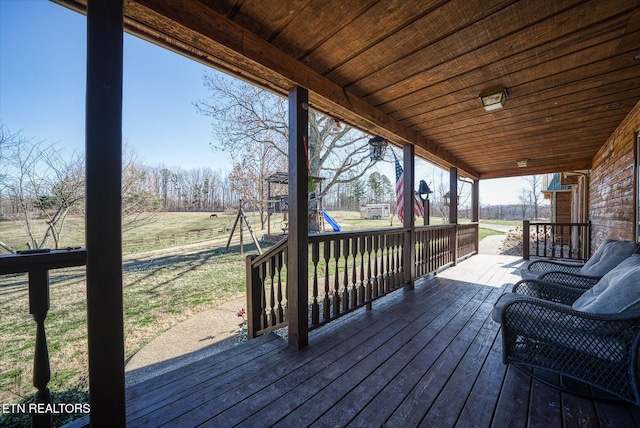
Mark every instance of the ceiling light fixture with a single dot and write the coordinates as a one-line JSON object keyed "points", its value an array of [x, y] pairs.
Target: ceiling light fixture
{"points": [[494, 100]]}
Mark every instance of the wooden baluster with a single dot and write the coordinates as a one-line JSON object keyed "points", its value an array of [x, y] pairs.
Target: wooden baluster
{"points": [[38, 307], [427, 251], [345, 289], [336, 277], [399, 259], [264, 322], [401, 266], [435, 250], [418, 249], [394, 260], [361, 289], [326, 303], [433, 247], [421, 254], [378, 265], [392, 266], [429, 245], [384, 279], [438, 250], [272, 295], [373, 269], [441, 247], [449, 243], [354, 273], [453, 249], [389, 281], [280, 308], [285, 256], [369, 287], [315, 307]]}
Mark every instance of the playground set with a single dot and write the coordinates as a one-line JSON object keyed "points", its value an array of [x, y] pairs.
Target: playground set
{"points": [[278, 203]]}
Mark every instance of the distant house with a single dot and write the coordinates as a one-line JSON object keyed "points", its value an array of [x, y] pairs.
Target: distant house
{"points": [[565, 191]]}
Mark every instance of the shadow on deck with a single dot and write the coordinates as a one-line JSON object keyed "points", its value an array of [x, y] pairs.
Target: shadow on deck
{"points": [[427, 357]]}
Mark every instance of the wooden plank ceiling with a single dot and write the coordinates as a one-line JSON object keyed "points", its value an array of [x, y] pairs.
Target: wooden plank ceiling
{"points": [[412, 71]]}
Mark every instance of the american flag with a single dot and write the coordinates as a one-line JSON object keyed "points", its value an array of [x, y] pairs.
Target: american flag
{"points": [[418, 209]]}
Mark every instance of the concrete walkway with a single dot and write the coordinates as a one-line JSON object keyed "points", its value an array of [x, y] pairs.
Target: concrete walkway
{"points": [[491, 245], [204, 334]]}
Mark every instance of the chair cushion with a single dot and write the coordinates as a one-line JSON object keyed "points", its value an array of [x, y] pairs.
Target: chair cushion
{"points": [[531, 274], [608, 255], [617, 291]]}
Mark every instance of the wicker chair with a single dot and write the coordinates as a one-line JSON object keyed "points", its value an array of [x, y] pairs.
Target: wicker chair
{"points": [[594, 338], [550, 291], [608, 255]]}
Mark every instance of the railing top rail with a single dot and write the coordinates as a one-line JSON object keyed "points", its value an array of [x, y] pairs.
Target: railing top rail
{"points": [[547, 223], [320, 237], [280, 245], [42, 260], [436, 226]]}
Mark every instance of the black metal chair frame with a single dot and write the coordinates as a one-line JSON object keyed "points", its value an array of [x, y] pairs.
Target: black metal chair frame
{"points": [[541, 330]]}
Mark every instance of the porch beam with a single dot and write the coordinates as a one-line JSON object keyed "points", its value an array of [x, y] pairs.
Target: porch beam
{"points": [[297, 268], [409, 253], [103, 148]]}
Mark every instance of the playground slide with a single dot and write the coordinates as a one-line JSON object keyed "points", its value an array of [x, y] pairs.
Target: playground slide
{"points": [[331, 221]]}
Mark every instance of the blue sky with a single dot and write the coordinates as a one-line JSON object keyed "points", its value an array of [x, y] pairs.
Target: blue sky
{"points": [[42, 84], [42, 91]]}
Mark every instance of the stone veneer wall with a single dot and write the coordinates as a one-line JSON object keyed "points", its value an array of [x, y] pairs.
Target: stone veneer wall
{"points": [[612, 184]]}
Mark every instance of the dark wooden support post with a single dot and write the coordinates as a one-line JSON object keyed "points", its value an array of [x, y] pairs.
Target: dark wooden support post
{"points": [[297, 274], [453, 195], [475, 209], [525, 240], [409, 252], [103, 212], [453, 209], [254, 295]]}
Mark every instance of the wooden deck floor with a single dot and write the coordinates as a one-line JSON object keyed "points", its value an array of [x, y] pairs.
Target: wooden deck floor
{"points": [[428, 357]]}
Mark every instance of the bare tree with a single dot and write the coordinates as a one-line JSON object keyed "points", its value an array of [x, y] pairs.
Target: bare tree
{"points": [[248, 177], [535, 183], [139, 204], [524, 197], [44, 185], [245, 115]]}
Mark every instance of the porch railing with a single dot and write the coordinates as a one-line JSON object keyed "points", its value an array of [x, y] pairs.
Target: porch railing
{"points": [[349, 270], [37, 264], [566, 241]]}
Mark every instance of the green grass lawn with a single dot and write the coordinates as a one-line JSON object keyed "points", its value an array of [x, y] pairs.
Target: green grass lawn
{"points": [[161, 289], [484, 232]]}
